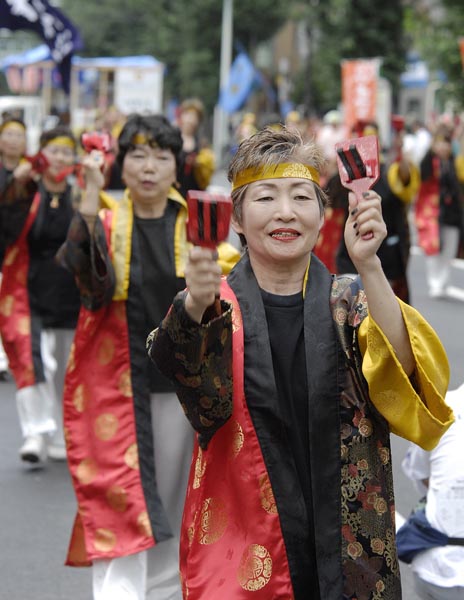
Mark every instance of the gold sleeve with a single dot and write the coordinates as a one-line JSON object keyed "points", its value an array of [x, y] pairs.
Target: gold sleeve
{"points": [[459, 166], [228, 255], [408, 192], [414, 407], [204, 167]]}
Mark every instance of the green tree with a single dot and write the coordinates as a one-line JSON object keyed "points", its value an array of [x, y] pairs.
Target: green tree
{"points": [[435, 33], [349, 29], [184, 34]]}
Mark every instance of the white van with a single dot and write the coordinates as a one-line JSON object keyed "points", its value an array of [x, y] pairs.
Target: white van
{"points": [[31, 110]]}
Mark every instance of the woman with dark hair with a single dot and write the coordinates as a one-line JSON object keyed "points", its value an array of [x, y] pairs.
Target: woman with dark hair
{"points": [[39, 301], [127, 441], [197, 158]]}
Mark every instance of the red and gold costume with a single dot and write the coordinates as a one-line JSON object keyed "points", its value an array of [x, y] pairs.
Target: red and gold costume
{"points": [[106, 402], [248, 529]]}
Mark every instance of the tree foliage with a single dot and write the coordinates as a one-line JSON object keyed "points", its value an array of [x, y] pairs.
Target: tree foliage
{"points": [[435, 34], [186, 36], [183, 34], [350, 29]]}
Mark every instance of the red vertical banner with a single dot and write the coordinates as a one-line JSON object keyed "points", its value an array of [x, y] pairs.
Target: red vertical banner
{"points": [[461, 48], [359, 90]]}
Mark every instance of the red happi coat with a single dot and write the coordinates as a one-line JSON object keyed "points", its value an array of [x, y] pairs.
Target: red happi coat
{"points": [[15, 313], [427, 211], [106, 401], [112, 518], [252, 555]]}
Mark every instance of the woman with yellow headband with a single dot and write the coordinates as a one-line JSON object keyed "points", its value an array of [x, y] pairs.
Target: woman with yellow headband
{"points": [[12, 149], [12, 143], [39, 301], [128, 442], [293, 387]]}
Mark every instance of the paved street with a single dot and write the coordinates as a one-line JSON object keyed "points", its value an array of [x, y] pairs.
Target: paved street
{"points": [[37, 507]]}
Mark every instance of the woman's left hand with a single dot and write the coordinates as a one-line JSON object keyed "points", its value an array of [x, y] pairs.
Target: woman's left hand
{"points": [[365, 228]]}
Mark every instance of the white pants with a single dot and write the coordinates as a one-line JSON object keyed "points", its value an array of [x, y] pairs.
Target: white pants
{"points": [[429, 591], [154, 573], [438, 266], [3, 357], [40, 405]]}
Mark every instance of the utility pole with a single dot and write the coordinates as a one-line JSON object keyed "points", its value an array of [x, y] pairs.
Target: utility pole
{"points": [[221, 120]]}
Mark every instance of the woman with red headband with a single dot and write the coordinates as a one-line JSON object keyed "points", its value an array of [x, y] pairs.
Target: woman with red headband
{"points": [[39, 301]]}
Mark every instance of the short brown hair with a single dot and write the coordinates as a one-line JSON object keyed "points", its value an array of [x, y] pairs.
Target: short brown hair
{"points": [[271, 147], [193, 104]]}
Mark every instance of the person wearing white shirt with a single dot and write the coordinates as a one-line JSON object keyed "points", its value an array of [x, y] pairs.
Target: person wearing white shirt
{"points": [[439, 571]]}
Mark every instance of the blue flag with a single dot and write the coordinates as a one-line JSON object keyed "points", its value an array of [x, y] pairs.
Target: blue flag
{"points": [[242, 78], [60, 35]]}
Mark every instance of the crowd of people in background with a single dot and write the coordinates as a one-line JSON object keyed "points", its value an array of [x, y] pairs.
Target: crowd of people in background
{"points": [[82, 230]]}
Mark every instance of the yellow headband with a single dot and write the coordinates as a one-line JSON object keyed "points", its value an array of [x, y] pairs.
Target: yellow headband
{"points": [[61, 140], [12, 125], [279, 171], [141, 139]]}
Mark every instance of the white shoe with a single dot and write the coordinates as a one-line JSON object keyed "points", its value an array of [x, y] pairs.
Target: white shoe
{"points": [[437, 293], [33, 449], [56, 452]]}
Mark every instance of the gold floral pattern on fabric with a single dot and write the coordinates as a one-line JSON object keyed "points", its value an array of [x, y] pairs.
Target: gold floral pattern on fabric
{"points": [[116, 496], [6, 306], [106, 426], [105, 540], [192, 528], [377, 545], [365, 427], [21, 276], [11, 255], [267, 495], [143, 524], [200, 468], [237, 440], [237, 322], [255, 569], [80, 398], [72, 358], [119, 311], [370, 563], [89, 322], [23, 325], [213, 521], [105, 352], [86, 471], [131, 457], [124, 384]]}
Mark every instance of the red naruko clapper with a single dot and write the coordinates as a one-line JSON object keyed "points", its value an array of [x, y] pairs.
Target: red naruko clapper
{"points": [[208, 218], [358, 165]]}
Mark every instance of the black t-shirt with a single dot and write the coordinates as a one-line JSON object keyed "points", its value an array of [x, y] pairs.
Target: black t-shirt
{"points": [[53, 292], [159, 281], [285, 323], [285, 319]]}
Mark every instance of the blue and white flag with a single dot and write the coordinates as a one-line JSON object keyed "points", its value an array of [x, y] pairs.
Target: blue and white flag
{"points": [[60, 35], [242, 78]]}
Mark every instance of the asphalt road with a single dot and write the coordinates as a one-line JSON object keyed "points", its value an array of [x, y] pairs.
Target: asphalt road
{"points": [[37, 507]]}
